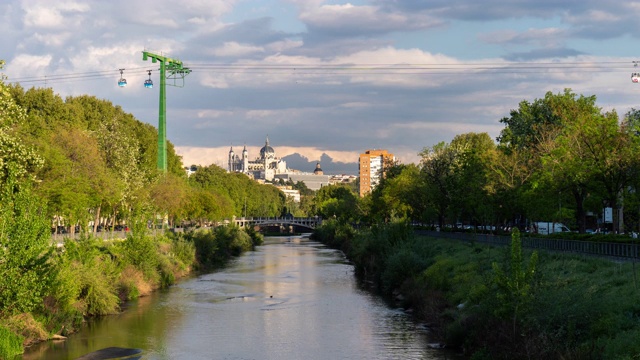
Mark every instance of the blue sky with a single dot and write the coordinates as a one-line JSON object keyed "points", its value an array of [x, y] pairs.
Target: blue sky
{"points": [[326, 77]]}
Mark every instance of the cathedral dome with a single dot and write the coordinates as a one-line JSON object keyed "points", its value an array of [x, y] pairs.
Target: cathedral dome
{"points": [[267, 150]]}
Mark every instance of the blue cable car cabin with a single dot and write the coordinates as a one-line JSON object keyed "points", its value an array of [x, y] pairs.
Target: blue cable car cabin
{"points": [[148, 83], [122, 82]]}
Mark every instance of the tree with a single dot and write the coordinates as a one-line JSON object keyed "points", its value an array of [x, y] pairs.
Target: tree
{"points": [[400, 194], [439, 166], [338, 202], [470, 192], [545, 135], [169, 195]]}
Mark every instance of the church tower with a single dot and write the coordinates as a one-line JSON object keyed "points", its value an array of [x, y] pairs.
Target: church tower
{"points": [[245, 160], [231, 160]]}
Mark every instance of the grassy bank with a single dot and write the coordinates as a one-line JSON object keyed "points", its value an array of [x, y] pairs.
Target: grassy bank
{"points": [[89, 277], [501, 303]]}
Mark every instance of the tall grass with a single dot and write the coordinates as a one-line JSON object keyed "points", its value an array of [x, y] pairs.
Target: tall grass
{"points": [[10, 344]]}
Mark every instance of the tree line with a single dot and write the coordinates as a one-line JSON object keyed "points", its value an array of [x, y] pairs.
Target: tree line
{"points": [[94, 165], [558, 158]]}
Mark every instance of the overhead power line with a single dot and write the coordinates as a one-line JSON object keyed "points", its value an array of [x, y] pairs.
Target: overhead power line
{"points": [[349, 69]]}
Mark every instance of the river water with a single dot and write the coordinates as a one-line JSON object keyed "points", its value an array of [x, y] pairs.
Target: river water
{"points": [[292, 298]]}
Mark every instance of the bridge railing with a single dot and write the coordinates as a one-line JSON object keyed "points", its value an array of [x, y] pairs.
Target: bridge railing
{"points": [[308, 222]]}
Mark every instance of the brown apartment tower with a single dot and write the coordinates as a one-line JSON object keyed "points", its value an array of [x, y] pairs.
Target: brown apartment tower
{"points": [[372, 164]]}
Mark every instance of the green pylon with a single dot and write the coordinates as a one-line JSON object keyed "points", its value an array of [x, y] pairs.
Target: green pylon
{"points": [[175, 70]]}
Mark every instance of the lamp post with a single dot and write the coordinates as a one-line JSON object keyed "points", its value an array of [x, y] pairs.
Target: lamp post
{"points": [[169, 69]]}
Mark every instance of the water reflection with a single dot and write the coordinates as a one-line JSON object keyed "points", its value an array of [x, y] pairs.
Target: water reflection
{"points": [[289, 299]]}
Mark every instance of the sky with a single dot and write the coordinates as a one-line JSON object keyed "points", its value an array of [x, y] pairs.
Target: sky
{"points": [[325, 80]]}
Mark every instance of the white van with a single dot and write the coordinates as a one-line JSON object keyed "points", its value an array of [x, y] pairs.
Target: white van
{"points": [[546, 228]]}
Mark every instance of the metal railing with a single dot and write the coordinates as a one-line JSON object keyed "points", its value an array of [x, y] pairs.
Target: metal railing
{"points": [[594, 248]]}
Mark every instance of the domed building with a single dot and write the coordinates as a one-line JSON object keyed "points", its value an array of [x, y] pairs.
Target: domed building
{"points": [[318, 170], [264, 167]]}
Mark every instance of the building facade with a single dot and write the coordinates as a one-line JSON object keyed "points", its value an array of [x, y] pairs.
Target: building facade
{"points": [[264, 167], [371, 168]]}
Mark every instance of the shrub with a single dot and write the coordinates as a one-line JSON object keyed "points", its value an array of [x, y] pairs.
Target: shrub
{"points": [[438, 275], [240, 242], [25, 250], [206, 248], [402, 265], [256, 237], [141, 251], [99, 295]]}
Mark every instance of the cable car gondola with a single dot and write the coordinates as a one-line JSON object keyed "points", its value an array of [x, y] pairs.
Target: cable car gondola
{"points": [[148, 83], [635, 77], [122, 82]]}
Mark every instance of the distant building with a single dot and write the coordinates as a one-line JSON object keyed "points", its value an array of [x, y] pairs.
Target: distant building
{"points": [[294, 194], [372, 164], [318, 170], [313, 182], [342, 179], [264, 167]]}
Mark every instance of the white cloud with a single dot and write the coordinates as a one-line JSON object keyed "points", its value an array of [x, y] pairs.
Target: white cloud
{"points": [[213, 114], [233, 48], [52, 15], [29, 65]]}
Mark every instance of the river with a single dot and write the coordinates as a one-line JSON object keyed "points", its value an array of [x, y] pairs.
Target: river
{"points": [[292, 298]]}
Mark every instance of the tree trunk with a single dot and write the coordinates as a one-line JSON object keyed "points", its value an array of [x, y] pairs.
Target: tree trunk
{"points": [[581, 216], [97, 219]]}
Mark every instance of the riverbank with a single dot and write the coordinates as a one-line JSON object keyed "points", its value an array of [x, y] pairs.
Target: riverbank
{"points": [[91, 277], [500, 303]]}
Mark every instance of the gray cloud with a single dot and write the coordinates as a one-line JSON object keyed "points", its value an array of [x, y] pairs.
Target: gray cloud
{"points": [[293, 82]]}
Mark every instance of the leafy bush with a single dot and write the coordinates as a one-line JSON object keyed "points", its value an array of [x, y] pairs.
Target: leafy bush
{"points": [[207, 249], [142, 252], [99, 291], [402, 265], [25, 250], [184, 251], [438, 276], [256, 237]]}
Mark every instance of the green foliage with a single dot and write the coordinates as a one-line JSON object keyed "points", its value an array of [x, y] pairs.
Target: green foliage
{"points": [[98, 294], [370, 249], [405, 263], [337, 202], [233, 239], [231, 194], [142, 252], [214, 248], [26, 271], [256, 237], [10, 344], [184, 250], [516, 285], [439, 275], [335, 234]]}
